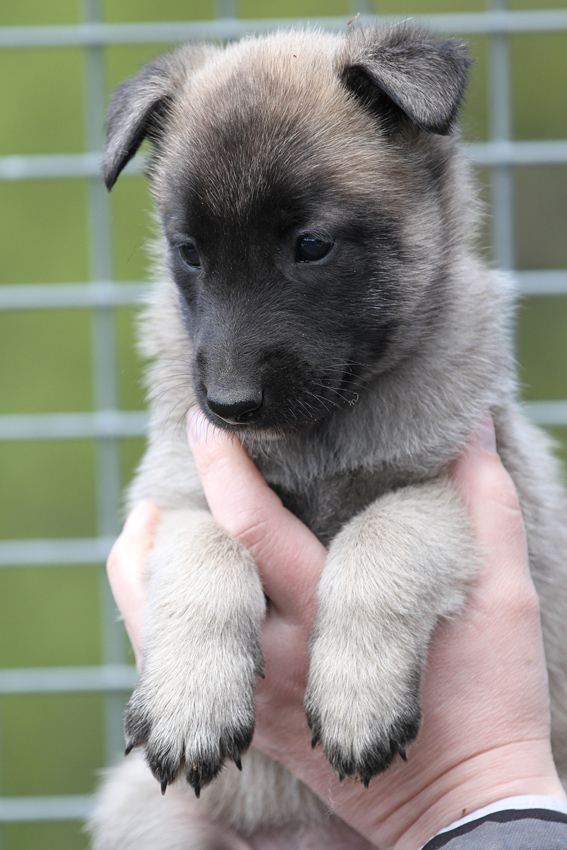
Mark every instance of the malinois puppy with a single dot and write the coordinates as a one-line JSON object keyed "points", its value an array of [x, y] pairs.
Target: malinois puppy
{"points": [[320, 298]]}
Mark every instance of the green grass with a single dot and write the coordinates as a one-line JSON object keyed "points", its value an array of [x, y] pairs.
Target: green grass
{"points": [[47, 836]]}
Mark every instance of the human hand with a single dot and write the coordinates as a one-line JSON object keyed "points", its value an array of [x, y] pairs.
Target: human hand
{"points": [[485, 730], [126, 567]]}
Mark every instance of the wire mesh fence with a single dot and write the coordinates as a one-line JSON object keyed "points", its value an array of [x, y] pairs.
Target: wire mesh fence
{"points": [[101, 294]]}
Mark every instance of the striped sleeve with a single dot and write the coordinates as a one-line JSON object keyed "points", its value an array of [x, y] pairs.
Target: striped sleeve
{"points": [[512, 829]]}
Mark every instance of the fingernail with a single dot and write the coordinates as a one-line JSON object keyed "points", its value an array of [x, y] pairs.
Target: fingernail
{"points": [[486, 436], [139, 517], [198, 426]]}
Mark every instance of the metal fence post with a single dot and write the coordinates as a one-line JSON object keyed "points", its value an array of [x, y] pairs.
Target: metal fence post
{"points": [[226, 8], [500, 125], [105, 374]]}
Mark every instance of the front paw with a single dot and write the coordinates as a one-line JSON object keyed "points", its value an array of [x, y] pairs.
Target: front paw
{"points": [[364, 711], [191, 720]]}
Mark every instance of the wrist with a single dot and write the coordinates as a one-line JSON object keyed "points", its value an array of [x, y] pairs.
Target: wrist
{"points": [[505, 811], [523, 768]]}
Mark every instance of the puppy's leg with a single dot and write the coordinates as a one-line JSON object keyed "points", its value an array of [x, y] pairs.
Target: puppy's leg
{"points": [[193, 705], [391, 573]]}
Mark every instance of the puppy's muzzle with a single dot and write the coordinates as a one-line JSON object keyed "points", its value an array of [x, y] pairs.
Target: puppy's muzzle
{"points": [[241, 406]]}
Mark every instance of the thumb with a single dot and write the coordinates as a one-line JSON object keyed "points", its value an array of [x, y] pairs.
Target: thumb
{"points": [[288, 555]]}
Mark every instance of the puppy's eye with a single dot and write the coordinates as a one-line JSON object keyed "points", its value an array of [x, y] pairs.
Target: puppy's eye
{"points": [[190, 255], [310, 248]]}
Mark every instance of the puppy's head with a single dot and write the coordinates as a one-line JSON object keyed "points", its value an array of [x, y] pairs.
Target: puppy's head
{"points": [[307, 191]]}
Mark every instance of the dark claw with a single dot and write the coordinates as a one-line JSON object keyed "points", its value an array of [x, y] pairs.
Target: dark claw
{"points": [[366, 780], [237, 762], [314, 741], [341, 778], [163, 786], [402, 753], [128, 749], [197, 790]]}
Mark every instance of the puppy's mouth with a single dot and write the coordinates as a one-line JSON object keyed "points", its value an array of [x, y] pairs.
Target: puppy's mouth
{"points": [[277, 410]]}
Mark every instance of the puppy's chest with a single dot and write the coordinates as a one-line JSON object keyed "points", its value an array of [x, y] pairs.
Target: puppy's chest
{"points": [[325, 505]]}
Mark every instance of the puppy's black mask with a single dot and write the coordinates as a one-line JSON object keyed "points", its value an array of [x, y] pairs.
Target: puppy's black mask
{"points": [[271, 283]]}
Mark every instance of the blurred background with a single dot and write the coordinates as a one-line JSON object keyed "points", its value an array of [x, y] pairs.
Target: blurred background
{"points": [[73, 264]]}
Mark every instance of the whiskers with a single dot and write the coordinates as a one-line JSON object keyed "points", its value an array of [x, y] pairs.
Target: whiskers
{"points": [[311, 397], [341, 385]]}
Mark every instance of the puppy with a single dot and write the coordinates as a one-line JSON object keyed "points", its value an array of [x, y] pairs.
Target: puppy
{"points": [[320, 298]]}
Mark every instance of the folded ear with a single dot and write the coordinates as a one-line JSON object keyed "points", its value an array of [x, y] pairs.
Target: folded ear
{"points": [[139, 106], [423, 76]]}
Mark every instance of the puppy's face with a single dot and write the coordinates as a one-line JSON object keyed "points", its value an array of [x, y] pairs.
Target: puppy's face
{"points": [[276, 246], [303, 217]]}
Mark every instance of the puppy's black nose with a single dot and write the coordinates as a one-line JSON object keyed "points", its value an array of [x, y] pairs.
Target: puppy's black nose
{"points": [[236, 408]]}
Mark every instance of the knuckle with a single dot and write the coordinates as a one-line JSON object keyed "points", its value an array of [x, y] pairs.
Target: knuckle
{"points": [[518, 597], [501, 490], [251, 528], [528, 601], [512, 522]]}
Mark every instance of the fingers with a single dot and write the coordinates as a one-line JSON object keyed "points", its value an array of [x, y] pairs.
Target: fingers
{"points": [[485, 689], [288, 555], [126, 570], [492, 501]]}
